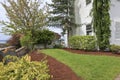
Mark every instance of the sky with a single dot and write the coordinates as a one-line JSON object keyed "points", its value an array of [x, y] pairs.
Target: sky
{"points": [[3, 17]]}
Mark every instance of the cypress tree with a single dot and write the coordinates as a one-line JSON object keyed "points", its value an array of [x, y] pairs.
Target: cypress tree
{"points": [[101, 22]]}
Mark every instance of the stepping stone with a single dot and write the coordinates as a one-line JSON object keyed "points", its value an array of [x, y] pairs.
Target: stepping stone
{"points": [[118, 77]]}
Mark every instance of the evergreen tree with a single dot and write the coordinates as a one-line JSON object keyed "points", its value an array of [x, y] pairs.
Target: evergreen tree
{"points": [[101, 22], [62, 15]]}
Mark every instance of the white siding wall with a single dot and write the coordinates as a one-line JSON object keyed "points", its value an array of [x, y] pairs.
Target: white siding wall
{"points": [[85, 18], [115, 17], [84, 13], [77, 18]]}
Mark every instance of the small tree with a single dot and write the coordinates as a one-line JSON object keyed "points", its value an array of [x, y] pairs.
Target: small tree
{"points": [[23, 16]]}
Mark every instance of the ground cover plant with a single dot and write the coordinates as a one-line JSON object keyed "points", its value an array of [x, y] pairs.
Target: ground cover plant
{"points": [[23, 69], [89, 67]]}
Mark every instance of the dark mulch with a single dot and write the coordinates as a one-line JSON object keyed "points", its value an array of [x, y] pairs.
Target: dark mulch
{"points": [[59, 70], [92, 52]]}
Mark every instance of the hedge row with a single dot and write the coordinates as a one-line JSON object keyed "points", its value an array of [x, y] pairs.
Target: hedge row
{"points": [[82, 42], [115, 48]]}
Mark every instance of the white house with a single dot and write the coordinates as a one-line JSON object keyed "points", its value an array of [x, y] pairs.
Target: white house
{"points": [[82, 12]]}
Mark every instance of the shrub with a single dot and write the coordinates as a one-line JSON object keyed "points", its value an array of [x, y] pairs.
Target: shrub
{"points": [[82, 42], [44, 37], [9, 58], [14, 40], [58, 46], [27, 41], [115, 48], [24, 69]]}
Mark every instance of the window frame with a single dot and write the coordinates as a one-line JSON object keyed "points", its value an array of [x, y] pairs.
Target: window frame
{"points": [[88, 29], [88, 2]]}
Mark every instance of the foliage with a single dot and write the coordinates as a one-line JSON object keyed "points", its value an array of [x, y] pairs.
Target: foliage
{"points": [[10, 58], [88, 67], [24, 69], [26, 40], [24, 15], [62, 14], [115, 48], [101, 22], [82, 42], [57, 36], [44, 37], [14, 40], [58, 46], [40, 37]]}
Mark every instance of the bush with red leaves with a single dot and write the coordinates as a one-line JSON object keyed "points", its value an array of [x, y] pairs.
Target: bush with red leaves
{"points": [[15, 40]]}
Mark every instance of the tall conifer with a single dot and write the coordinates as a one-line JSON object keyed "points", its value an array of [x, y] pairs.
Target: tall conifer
{"points": [[101, 22]]}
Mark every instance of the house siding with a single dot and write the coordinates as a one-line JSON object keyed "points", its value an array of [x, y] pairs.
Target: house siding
{"points": [[82, 12], [115, 17]]}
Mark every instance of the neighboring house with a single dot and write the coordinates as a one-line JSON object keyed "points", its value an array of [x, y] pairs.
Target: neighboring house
{"points": [[82, 12]]}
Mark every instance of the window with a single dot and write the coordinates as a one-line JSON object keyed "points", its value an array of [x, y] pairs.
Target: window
{"points": [[88, 2], [88, 29], [117, 30]]}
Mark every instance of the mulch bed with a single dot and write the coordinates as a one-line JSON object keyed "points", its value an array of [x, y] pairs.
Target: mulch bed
{"points": [[92, 52], [58, 70]]}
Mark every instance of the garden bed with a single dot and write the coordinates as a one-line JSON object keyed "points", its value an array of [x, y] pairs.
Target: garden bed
{"points": [[58, 70], [92, 52]]}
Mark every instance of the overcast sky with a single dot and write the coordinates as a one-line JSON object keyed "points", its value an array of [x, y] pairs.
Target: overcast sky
{"points": [[3, 17]]}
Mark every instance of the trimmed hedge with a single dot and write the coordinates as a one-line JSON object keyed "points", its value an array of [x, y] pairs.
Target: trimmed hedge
{"points": [[82, 42], [115, 48]]}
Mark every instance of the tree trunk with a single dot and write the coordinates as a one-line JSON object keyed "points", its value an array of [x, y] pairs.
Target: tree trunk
{"points": [[45, 46]]}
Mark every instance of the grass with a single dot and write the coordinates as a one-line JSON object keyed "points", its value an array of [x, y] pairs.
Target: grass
{"points": [[89, 67]]}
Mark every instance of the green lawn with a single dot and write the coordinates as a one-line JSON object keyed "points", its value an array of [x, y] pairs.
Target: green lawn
{"points": [[89, 67]]}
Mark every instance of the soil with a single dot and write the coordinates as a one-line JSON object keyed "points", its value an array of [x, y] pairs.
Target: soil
{"points": [[58, 70], [92, 52]]}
